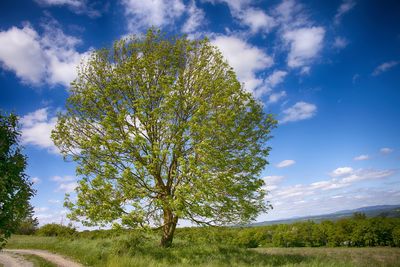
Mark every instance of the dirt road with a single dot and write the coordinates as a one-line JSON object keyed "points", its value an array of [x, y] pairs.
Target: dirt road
{"points": [[9, 258]]}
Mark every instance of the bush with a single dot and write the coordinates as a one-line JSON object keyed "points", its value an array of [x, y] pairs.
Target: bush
{"points": [[54, 229]]}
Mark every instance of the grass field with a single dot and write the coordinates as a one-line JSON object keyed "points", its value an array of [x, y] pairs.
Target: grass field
{"points": [[120, 251]]}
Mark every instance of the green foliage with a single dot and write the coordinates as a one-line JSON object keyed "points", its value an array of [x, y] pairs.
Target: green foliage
{"points": [[15, 188], [29, 224], [54, 229], [162, 130]]}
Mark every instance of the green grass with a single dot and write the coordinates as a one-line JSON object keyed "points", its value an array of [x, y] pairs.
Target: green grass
{"points": [[126, 251], [38, 261]]}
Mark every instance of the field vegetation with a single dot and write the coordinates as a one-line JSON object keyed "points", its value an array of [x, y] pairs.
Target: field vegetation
{"points": [[299, 244]]}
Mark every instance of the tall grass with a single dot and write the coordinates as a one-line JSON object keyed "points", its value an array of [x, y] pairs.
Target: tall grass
{"points": [[130, 250]]}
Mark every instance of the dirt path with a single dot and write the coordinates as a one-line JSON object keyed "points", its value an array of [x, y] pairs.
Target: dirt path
{"points": [[54, 258], [8, 259]]}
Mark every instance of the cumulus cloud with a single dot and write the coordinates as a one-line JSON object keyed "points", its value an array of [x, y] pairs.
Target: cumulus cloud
{"points": [[386, 150], [299, 111], [36, 130], [21, 52], [361, 157], [299, 34], [50, 58], [385, 67], [143, 13], [246, 59], [345, 7], [285, 163], [305, 44], [254, 18]]}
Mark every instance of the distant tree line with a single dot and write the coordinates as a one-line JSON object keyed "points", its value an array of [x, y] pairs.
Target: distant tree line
{"points": [[357, 231]]}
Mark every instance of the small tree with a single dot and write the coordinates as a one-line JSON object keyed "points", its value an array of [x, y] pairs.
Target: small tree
{"points": [[15, 188], [162, 130], [29, 224]]}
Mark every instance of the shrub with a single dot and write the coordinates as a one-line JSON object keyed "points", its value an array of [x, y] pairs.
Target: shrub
{"points": [[54, 229]]}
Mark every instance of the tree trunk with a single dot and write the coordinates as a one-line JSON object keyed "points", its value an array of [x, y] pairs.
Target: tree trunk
{"points": [[168, 228]]}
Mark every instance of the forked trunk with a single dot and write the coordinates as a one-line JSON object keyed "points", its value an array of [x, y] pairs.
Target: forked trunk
{"points": [[168, 228]]}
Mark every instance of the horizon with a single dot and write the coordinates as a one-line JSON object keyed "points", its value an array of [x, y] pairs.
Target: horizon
{"points": [[329, 72]]}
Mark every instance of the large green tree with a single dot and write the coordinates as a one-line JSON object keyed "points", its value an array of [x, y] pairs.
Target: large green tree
{"points": [[15, 187], [162, 130]]}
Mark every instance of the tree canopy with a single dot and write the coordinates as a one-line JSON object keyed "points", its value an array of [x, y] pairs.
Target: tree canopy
{"points": [[162, 130], [15, 188]]}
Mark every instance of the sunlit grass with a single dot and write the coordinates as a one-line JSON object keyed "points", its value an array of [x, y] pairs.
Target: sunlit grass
{"points": [[123, 252]]}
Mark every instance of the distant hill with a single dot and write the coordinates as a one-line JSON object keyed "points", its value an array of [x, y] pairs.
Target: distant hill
{"points": [[392, 211]]}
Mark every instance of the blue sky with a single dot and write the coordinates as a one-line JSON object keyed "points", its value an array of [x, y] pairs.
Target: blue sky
{"points": [[328, 70]]}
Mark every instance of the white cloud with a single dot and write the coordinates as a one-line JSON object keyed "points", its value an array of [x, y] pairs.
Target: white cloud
{"points": [[361, 157], [196, 17], [73, 3], [66, 183], [386, 150], [35, 180], [305, 44], [273, 179], [366, 174], [275, 78], [271, 182], [77, 6], [345, 7], [61, 179], [299, 34], [256, 19], [36, 130], [348, 188], [340, 42], [21, 52], [275, 97], [40, 209], [385, 67], [144, 13], [51, 216], [246, 60], [290, 15], [67, 187], [341, 171], [285, 163], [299, 111], [346, 179], [35, 59]]}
